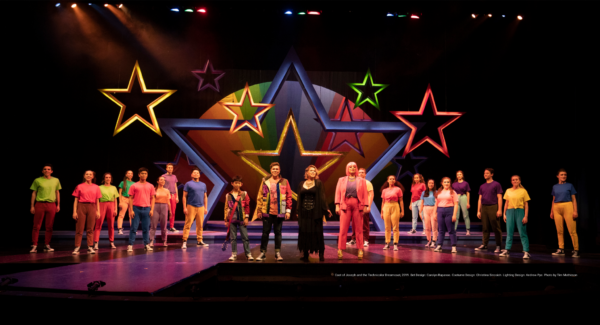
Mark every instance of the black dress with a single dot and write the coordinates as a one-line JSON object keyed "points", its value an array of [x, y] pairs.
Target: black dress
{"points": [[311, 209]]}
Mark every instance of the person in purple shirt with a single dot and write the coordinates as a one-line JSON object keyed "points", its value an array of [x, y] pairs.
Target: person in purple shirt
{"points": [[489, 210], [171, 185], [462, 188]]}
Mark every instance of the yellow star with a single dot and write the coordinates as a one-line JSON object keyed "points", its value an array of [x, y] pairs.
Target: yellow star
{"points": [[290, 119], [122, 125]]}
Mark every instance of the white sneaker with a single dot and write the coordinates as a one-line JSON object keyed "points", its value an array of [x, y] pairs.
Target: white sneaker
{"points": [[351, 242], [47, 248], [428, 243], [278, 256], [454, 249], [505, 252], [149, 248], [261, 257], [249, 257], [130, 248], [497, 250], [233, 257], [438, 249], [526, 255], [96, 246], [366, 244], [395, 247], [151, 243], [387, 246], [184, 246], [575, 254], [33, 249], [432, 244], [120, 231], [76, 251], [201, 243], [559, 252], [481, 248], [112, 245], [91, 250]]}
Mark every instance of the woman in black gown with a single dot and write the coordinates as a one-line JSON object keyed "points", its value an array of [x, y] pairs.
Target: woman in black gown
{"points": [[312, 207]]}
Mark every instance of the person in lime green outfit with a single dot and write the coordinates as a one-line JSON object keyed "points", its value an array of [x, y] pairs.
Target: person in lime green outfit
{"points": [[45, 202], [108, 210]]}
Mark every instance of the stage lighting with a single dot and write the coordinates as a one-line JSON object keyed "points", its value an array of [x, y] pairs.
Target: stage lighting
{"points": [[57, 5], [202, 10], [503, 16], [474, 15], [403, 15], [289, 12], [389, 14], [189, 10], [120, 6], [73, 5], [414, 16], [175, 9], [106, 4], [89, 4], [519, 17], [314, 13], [301, 13], [489, 15]]}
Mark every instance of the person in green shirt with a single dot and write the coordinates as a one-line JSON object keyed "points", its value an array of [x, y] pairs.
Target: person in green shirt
{"points": [[45, 202], [124, 199], [108, 210]]}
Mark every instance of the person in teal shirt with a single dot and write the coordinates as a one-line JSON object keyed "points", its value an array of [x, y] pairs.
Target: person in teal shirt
{"points": [[124, 199]]}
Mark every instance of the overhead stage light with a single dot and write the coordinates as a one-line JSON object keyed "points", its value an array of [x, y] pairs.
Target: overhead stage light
{"points": [[202, 10], [414, 16], [121, 6], [403, 15], [106, 4], [89, 4], [503, 16], [57, 5], [189, 10], [301, 13], [175, 9], [474, 15], [389, 14], [519, 17], [314, 13], [289, 12], [489, 15], [73, 5]]}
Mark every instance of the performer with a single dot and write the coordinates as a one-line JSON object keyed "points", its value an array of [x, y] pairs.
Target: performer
{"points": [[564, 207], [171, 185], [428, 213], [391, 211], [124, 199], [351, 201], [160, 210], [416, 189], [366, 220], [462, 188], [195, 201], [86, 210], [141, 196], [274, 202], [312, 207], [108, 209], [237, 214], [447, 207], [45, 202], [489, 210], [516, 211]]}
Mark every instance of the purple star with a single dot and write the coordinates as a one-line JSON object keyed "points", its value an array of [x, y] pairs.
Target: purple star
{"points": [[345, 106], [407, 161], [197, 74]]}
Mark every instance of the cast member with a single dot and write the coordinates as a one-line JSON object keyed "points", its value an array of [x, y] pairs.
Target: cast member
{"points": [[171, 185], [274, 203], [86, 210], [159, 213], [141, 196], [108, 210], [462, 188], [45, 202], [392, 209], [237, 214], [447, 207], [351, 201], [124, 199], [489, 210], [366, 219], [428, 213], [516, 211], [416, 189], [564, 207], [195, 206]]}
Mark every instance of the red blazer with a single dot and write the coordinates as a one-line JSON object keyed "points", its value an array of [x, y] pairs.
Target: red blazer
{"points": [[361, 191]]}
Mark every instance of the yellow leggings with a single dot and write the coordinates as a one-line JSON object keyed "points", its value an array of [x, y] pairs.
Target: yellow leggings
{"points": [[564, 211], [391, 217]]}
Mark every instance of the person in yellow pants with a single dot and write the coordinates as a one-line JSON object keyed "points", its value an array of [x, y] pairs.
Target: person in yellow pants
{"points": [[194, 207], [564, 207], [392, 209]]}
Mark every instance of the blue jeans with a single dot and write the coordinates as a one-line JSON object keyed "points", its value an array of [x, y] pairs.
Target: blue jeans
{"points": [[233, 228], [415, 213], [141, 214]]}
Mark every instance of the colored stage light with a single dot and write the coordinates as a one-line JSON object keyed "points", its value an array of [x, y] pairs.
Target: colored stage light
{"points": [[189, 10], [121, 6], [301, 13], [474, 15], [289, 12], [314, 13], [413, 16], [175, 9], [403, 15], [89, 4], [57, 5], [503, 16], [519, 17], [202, 10], [106, 4], [389, 14], [489, 15], [73, 5]]}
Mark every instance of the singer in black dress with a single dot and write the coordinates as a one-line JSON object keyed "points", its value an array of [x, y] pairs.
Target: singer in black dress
{"points": [[312, 207]]}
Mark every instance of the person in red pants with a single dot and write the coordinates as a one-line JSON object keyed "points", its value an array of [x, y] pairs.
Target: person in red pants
{"points": [[366, 220], [45, 202], [86, 210], [351, 201], [108, 210], [171, 185]]}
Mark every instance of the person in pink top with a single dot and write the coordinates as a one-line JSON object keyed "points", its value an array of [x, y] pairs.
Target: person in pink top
{"points": [[392, 209], [141, 196], [416, 189], [86, 209], [447, 207], [351, 201]]}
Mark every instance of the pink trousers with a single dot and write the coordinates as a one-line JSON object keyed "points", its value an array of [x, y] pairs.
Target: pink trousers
{"points": [[353, 213], [431, 223], [107, 210], [173, 207]]}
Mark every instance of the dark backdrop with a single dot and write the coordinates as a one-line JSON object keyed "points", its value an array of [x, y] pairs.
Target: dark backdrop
{"points": [[522, 85]]}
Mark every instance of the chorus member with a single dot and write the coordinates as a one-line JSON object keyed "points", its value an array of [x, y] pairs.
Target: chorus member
{"points": [[86, 210], [351, 202], [489, 210], [564, 207], [416, 189], [462, 188], [516, 210], [446, 209], [392, 209], [237, 214], [312, 207], [45, 202], [160, 211], [428, 213], [108, 210], [171, 185], [366, 220], [124, 199], [195, 206], [141, 196], [274, 203]]}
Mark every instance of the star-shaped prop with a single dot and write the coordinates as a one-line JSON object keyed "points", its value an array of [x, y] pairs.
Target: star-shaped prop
{"points": [[410, 146], [201, 84], [122, 125], [404, 164], [290, 120], [367, 97], [262, 109], [338, 139]]}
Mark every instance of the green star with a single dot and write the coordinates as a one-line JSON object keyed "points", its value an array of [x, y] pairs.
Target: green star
{"points": [[374, 101]]}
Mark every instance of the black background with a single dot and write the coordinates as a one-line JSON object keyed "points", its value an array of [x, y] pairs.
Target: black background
{"points": [[522, 85]]}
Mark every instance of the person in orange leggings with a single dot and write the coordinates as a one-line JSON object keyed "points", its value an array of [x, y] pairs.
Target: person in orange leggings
{"points": [[564, 207], [428, 213], [392, 209], [124, 199]]}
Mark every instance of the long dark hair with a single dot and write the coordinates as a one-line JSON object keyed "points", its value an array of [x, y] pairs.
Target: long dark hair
{"points": [[158, 180], [125, 185], [426, 193], [456, 179], [93, 179], [387, 185]]}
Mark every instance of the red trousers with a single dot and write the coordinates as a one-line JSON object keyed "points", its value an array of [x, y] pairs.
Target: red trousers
{"points": [[366, 228], [107, 210], [42, 209], [354, 213], [86, 219], [173, 207]]}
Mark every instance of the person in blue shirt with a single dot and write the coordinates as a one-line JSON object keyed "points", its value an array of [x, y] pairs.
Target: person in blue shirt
{"points": [[194, 207], [428, 213], [564, 207]]}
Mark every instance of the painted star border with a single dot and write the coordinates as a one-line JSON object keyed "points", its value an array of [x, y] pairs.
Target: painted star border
{"points": [[259, 112], [368, 76], [198, 72]]}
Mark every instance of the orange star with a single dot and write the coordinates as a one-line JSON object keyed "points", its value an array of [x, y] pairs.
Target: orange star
{"points": [[122, 125], [234, 127], [409, 146], [337, 155]]}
